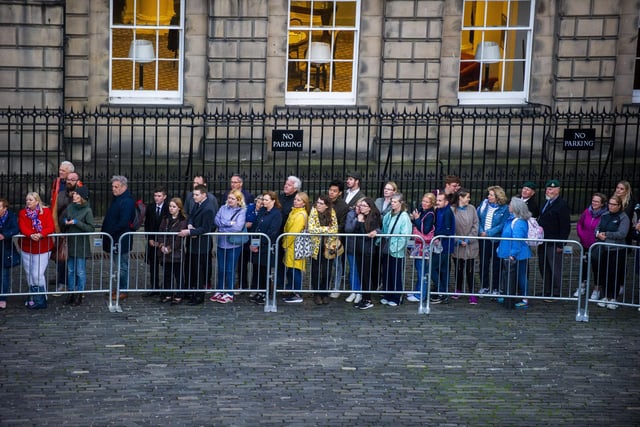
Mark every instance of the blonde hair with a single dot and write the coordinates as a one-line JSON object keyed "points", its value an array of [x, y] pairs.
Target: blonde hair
{"points": [[38, 199], [239, 197]]}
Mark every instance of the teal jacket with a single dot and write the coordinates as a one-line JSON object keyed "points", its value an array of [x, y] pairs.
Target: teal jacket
{"points": [[397, 245]]}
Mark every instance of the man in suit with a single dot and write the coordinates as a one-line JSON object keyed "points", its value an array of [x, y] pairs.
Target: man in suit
{"points": [[152, 220], [198, 244], [353, 193], [188, 200], [555, 219]]}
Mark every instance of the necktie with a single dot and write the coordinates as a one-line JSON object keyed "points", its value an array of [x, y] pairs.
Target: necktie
{"points": [[157, 210]]}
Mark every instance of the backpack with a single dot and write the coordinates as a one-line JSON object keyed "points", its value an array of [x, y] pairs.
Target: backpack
{"points": [[138, 219], [535, 232]]}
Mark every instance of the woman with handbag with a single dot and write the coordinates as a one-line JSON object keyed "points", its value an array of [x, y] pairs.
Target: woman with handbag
{"points": [[393, 249], [515, 254], [8, 254], [229, 219], [424, 224], [465, 250], [322, 220], [171, 250], [36, 223], [294, 266], [77, 218]]}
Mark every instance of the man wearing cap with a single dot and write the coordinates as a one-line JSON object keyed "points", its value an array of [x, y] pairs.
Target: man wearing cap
{"points": [[527, 194], [353, 193], [556, 221]]}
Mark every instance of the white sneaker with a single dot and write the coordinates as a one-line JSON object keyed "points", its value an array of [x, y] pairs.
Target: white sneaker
{"points": [[580, 291], [351, 297], [334, 294], [612, 306], [595, 295], [384, 301], [603, 302], [358, 299], [413, 298]]}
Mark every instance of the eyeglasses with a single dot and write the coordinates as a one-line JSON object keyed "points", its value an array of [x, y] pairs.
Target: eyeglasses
{"points": [[388, 189], [613, 204]]}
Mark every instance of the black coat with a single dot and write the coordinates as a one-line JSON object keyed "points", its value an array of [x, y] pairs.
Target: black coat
{"points": [[556, 220], [202, 219]]}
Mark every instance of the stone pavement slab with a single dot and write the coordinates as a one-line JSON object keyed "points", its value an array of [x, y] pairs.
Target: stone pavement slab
{"points": [[462, 365]]}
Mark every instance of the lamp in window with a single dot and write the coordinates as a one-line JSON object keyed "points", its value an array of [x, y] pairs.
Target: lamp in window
{"points": [[141, 52], [488, 53]]}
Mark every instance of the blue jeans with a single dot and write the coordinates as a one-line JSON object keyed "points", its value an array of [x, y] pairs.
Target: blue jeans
{"points": [[354, 277], [523, 280], [338, 265], [124, 270], [77, 268], [440, 271], [294, 278], [227, 261], [5, 281]]}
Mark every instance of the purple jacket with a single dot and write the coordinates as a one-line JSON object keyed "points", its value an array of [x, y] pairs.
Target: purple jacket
{"points": [[229, 220], [587, 225]]}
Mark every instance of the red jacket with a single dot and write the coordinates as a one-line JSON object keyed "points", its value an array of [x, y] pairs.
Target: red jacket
{"points": [[26, 227]]}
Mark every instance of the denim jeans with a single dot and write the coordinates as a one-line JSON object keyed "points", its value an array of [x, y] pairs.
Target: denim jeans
{"points": [[5, 282], [77, 268], [124, 270], [294, 278], [419, 264], [227, 261], [354, 276], [440, 271]]}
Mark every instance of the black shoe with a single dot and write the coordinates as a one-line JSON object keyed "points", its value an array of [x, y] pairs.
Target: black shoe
{"points": [[77, 300], [70, 299], [259, 299], [195, 301]]}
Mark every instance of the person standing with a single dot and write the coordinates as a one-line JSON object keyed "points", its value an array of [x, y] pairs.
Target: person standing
{"points": [[292, 185], [528, 195], [515, 254], [229, 219], [396, 221], [8, 229], [465, 251], [629, 204], [61, 192], [424, 225], [296, 223], [153, 218], [245, 256], [78, 218], [117, 222], [613, 228], [368, 222], [171, 250], [237, 184], [491, 214], [322, 220], [384, 203], [189, 203], [353, 192], [443, 247], [198, 244], [36, 223], [586, 229], [269, 222], [336, 188], [555, 219]]}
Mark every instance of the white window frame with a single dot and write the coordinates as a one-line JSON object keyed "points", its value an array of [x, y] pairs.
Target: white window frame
{"points": [[148, 97], [325, 97], [499, 96]]}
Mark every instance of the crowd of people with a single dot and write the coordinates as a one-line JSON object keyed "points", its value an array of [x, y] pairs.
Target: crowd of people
{"points": [[487, 248]]}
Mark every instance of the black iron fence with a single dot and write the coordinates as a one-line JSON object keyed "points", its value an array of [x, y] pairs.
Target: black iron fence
{"points": [[484, 146]]}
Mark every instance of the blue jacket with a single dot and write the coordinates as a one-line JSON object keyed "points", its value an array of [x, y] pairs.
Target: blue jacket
{"points": [[446, 226], [118, 221], [397, 245], [8, 230], [518, 229], [497, 222]]}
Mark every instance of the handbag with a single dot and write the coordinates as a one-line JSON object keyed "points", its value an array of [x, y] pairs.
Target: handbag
{"points": [[240, 239], [60, 251], [302, 246], [11, 259], [384, 243], [333, 248]]}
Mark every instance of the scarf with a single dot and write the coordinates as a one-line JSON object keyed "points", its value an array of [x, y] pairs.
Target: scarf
{"points": [[32, 214], [598, 213]]}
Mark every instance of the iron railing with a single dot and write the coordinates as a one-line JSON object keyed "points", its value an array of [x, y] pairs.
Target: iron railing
{"points": [[484, 146]]}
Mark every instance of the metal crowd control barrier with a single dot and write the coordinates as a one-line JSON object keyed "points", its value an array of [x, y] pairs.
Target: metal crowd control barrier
{"points": [[544, 282], [340, 269], [613, 272], [99, 269], [145, 274]]}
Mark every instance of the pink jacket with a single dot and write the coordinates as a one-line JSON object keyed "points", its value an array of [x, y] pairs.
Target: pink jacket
{"points": [[587, 225]]}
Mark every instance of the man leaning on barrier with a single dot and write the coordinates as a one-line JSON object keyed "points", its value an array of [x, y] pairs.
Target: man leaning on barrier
{"points": [[117, 222]]}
